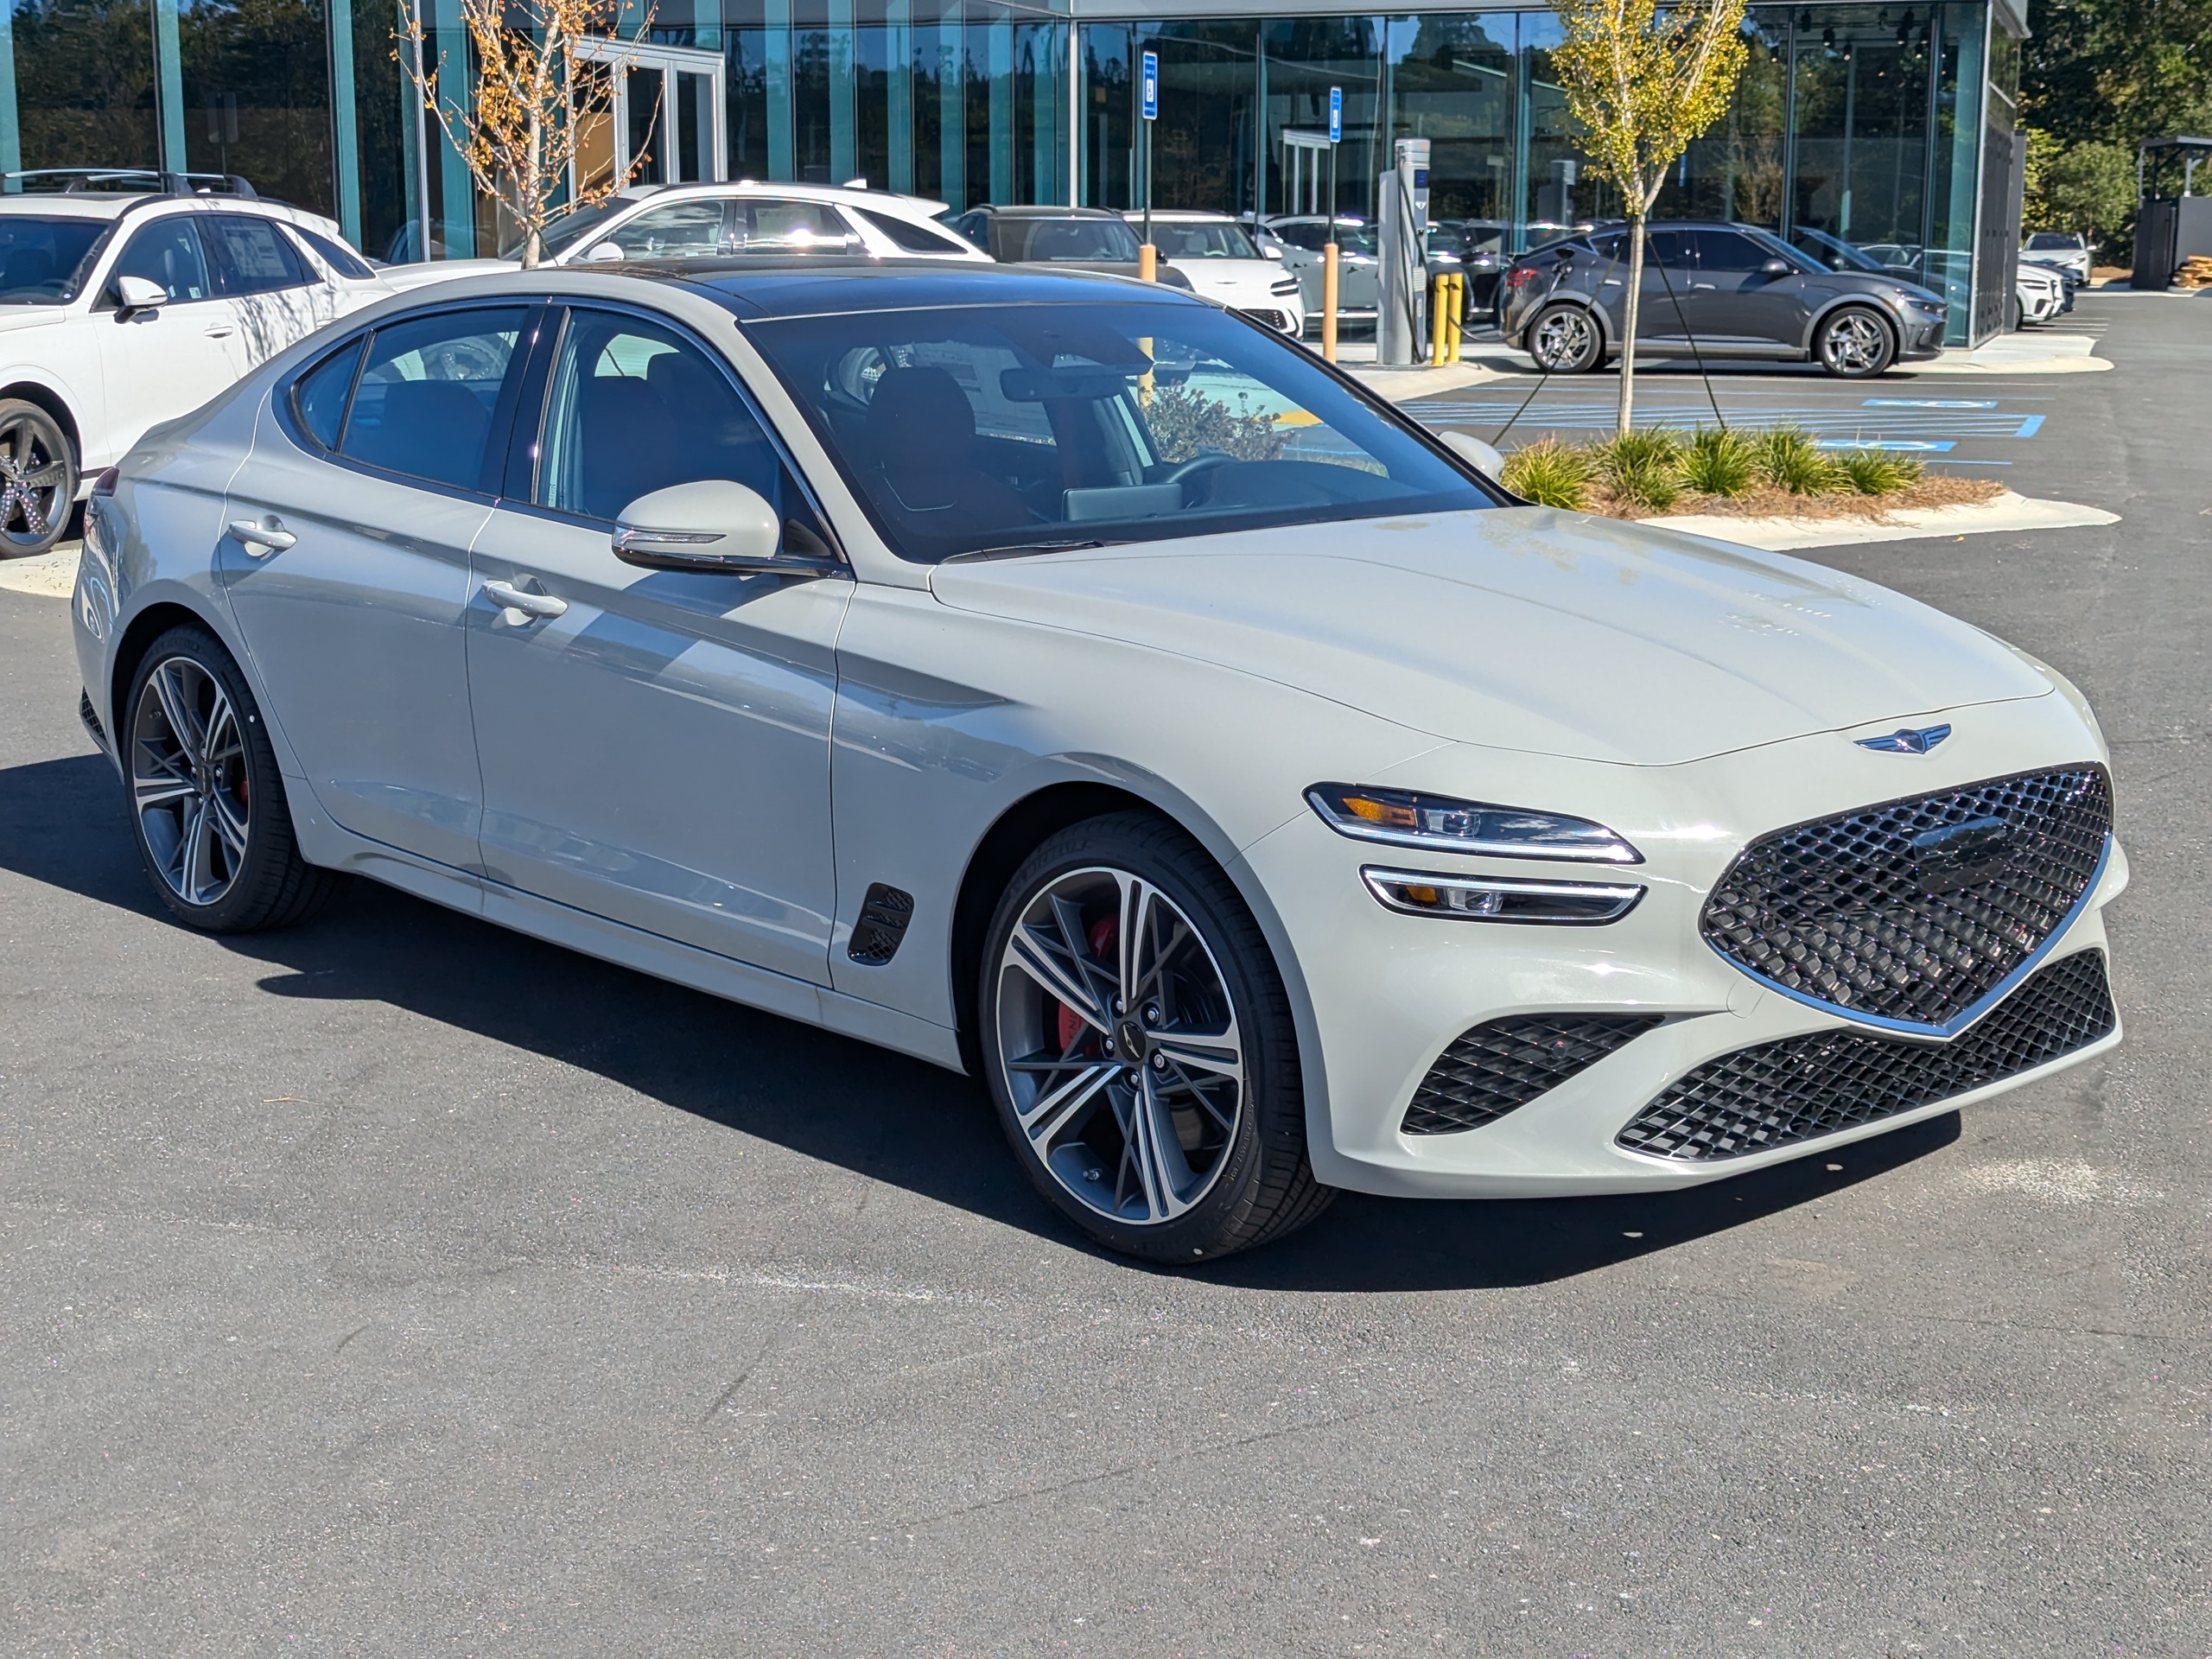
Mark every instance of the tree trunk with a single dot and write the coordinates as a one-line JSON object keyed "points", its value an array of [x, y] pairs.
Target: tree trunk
{"points": [[532, 195], [1628, 330]]}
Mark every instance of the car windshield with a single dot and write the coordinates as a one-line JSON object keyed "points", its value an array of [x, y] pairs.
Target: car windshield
{"points": [[570, 228], [1206, 239], [39, 256], [983, 428], [2053, 240], [1098, 241]]}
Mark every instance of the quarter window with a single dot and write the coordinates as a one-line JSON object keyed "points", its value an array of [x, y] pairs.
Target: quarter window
{"points": [[339, 257], [682, 230], [635, 407], [250, 258], [168, 252], [427, 394], [906, 234], [319, 396]]}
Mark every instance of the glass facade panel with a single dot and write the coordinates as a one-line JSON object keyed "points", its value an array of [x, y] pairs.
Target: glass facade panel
{"points": [[84, 85], [1306, 56], [257, 96], [1451, 83]]}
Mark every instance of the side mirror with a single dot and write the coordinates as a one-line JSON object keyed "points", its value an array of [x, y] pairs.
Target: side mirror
{"points": [[603, 250], [712, 525], [134, 294], [1483, 457], [1775, 268], [1269, 251]]}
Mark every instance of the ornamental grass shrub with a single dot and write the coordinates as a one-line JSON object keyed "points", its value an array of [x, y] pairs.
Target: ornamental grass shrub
{"points": [[1551, 474], [1651, 471]]}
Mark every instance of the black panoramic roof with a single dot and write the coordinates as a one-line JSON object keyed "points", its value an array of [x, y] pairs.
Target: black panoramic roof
{"points": [[758, 289]]}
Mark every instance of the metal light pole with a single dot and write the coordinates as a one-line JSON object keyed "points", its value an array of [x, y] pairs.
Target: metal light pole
{"points": [[1148, 255], [1329, 276]]}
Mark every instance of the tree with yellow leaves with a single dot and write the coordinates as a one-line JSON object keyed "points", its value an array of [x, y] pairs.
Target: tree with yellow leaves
{"points": [[1644, 80], [539, 101]]}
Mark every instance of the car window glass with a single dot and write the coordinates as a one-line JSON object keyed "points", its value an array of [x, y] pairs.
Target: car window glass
{"points": [[168, 252], [1181, 239], [767, 223], [1094, 240], [319, 394], [905, 233], [970, 428], [250, 258], [339, 257], [427, 392], [1728, 251], [682, 230], [1667, 248], [1307, 239], [39, 257], [633, 408]]}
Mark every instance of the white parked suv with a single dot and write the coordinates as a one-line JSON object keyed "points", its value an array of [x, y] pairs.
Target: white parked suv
{"points": [[1227, 266], [713, 221], [127, 299]]}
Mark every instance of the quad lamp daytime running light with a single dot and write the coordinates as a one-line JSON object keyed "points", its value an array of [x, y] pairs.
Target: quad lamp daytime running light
{"points": [[1500, 898], [1437, 823]]}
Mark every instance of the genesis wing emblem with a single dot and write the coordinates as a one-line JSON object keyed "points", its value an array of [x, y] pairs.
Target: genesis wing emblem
{"points": [[1906, 740]]}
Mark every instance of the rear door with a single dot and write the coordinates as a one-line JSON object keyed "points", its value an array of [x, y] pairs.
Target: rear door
{"points": [[280, 298], [369, 477]]}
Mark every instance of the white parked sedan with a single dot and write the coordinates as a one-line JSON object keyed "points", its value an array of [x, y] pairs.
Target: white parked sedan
{"points": [[130, 300], [1257, 799], [1227, 266]]}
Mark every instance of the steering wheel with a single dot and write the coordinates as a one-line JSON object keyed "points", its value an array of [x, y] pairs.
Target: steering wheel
{"points": [[1204, 461]]}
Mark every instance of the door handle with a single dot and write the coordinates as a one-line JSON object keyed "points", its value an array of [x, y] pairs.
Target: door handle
{"points": [[261, 540], [511, 598], [220, 331]]}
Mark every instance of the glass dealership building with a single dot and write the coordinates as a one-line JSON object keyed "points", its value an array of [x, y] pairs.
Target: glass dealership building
{"points": [[1888, 126]]}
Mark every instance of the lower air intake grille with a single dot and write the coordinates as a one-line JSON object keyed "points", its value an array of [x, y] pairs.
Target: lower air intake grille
{"points": [[1508, 1062], [1801, 1088], [1271, 319]]}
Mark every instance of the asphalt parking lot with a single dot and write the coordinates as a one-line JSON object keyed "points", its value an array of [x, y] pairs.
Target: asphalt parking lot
{"points": [[396, 1285]]}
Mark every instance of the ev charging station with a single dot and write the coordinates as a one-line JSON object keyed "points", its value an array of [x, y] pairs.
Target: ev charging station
{"points": [[1402, 329]]}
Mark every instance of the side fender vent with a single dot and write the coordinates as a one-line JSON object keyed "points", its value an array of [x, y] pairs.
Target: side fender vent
{"points": [[884, 914], [92, 720]]}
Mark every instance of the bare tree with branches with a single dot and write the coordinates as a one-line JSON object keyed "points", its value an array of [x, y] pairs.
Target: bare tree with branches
{"points": [[537, 98]]}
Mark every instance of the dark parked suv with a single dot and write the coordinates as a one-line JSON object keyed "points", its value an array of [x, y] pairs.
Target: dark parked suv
{"points": [[1089, 238], [1715, 290]]}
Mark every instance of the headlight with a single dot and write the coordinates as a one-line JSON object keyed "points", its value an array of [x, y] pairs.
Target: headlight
{"points": [[1436, 822], [1289, 286], [1500, 898]]}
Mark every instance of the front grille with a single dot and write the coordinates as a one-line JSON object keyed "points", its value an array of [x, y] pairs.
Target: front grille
{"points": [[1508, 1062], [1778, 1094], [1850, 912], [1271, 319]]}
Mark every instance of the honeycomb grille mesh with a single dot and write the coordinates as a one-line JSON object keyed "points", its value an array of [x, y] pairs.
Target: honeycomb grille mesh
{"points": [[1777, 1094], [1840, 911], [1508, 1062]]}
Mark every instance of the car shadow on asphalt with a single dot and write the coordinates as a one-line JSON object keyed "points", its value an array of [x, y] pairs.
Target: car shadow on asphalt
{"points": [[863, 1108]]}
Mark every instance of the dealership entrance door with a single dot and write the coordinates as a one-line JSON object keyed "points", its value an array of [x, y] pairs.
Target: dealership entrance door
{"points": [[666, 116]]}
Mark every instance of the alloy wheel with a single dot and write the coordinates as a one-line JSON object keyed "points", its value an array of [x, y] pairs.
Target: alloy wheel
{"points": [[33, 482], [1564, 339], [1119, 1046], [1854, 344], [190, 780]]}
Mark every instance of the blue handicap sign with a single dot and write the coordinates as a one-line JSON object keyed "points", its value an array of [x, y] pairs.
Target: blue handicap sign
{"points": [[1152, 86], [1336, 115]]}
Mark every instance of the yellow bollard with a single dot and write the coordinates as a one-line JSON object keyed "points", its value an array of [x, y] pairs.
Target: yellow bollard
{"points": [[1329, 301], [1455, 314], [1440, 293], [1148, 262]]}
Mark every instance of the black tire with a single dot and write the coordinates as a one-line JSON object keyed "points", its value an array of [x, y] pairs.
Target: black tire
{"points": [[2020, 315], [254, 877], [1256, 1182], [38, 479], [1854, 342], [1566, 339]]}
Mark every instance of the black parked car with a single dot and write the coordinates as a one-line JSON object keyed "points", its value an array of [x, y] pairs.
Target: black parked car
{"points": [[1717, 290], [1088, 238]]}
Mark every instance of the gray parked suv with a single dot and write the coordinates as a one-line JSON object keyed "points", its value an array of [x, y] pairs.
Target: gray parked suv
{"points": [[1714, 289]]}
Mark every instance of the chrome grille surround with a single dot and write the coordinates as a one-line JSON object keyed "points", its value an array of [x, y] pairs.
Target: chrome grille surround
{"points": [[1799, 1088], [1838, 913]]}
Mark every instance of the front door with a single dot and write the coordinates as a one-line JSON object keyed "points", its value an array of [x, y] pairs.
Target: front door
{"points": [[1739, 302], [352, 609], [157, 365], [655, 744]]}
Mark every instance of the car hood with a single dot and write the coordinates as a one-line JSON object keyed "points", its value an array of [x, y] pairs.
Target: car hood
{"points": [[423, 273], [1216, 276], [1523, 629]]}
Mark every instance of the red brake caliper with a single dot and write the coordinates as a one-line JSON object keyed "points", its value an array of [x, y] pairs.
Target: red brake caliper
{"points": [[1104, 938]]}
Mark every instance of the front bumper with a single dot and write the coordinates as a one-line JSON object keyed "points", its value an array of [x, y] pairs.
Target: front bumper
{"points": [[1390, 993]]}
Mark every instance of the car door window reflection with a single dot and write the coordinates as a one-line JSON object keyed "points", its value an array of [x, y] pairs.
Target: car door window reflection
{"points": [[168, 253], [250, 258], [683, 230], [427, 393], [1730, 251], [634, 408]]}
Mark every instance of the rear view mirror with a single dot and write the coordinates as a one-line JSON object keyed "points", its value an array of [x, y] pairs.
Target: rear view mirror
{"points": [[711, 524], [600, 250], [139, 294], [1269, 251], [1483, 457], [1083, 382], [1775, 268]]}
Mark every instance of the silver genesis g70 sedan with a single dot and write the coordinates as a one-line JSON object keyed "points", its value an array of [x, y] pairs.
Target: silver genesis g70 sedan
{"points": [[1072, 683]]}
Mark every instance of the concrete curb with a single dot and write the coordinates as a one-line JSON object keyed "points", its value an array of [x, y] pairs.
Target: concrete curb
{"points": [[50, 576], [2007, 512]]}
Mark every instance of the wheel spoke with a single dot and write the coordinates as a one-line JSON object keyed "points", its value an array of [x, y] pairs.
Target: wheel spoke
{"points": [[1052, 1111], [1040, 960], [151, 792], [220, 736], [1156, 1156], [176, 708], [47, 477], [1219, 1056], [230, 826], [191, 852]]}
